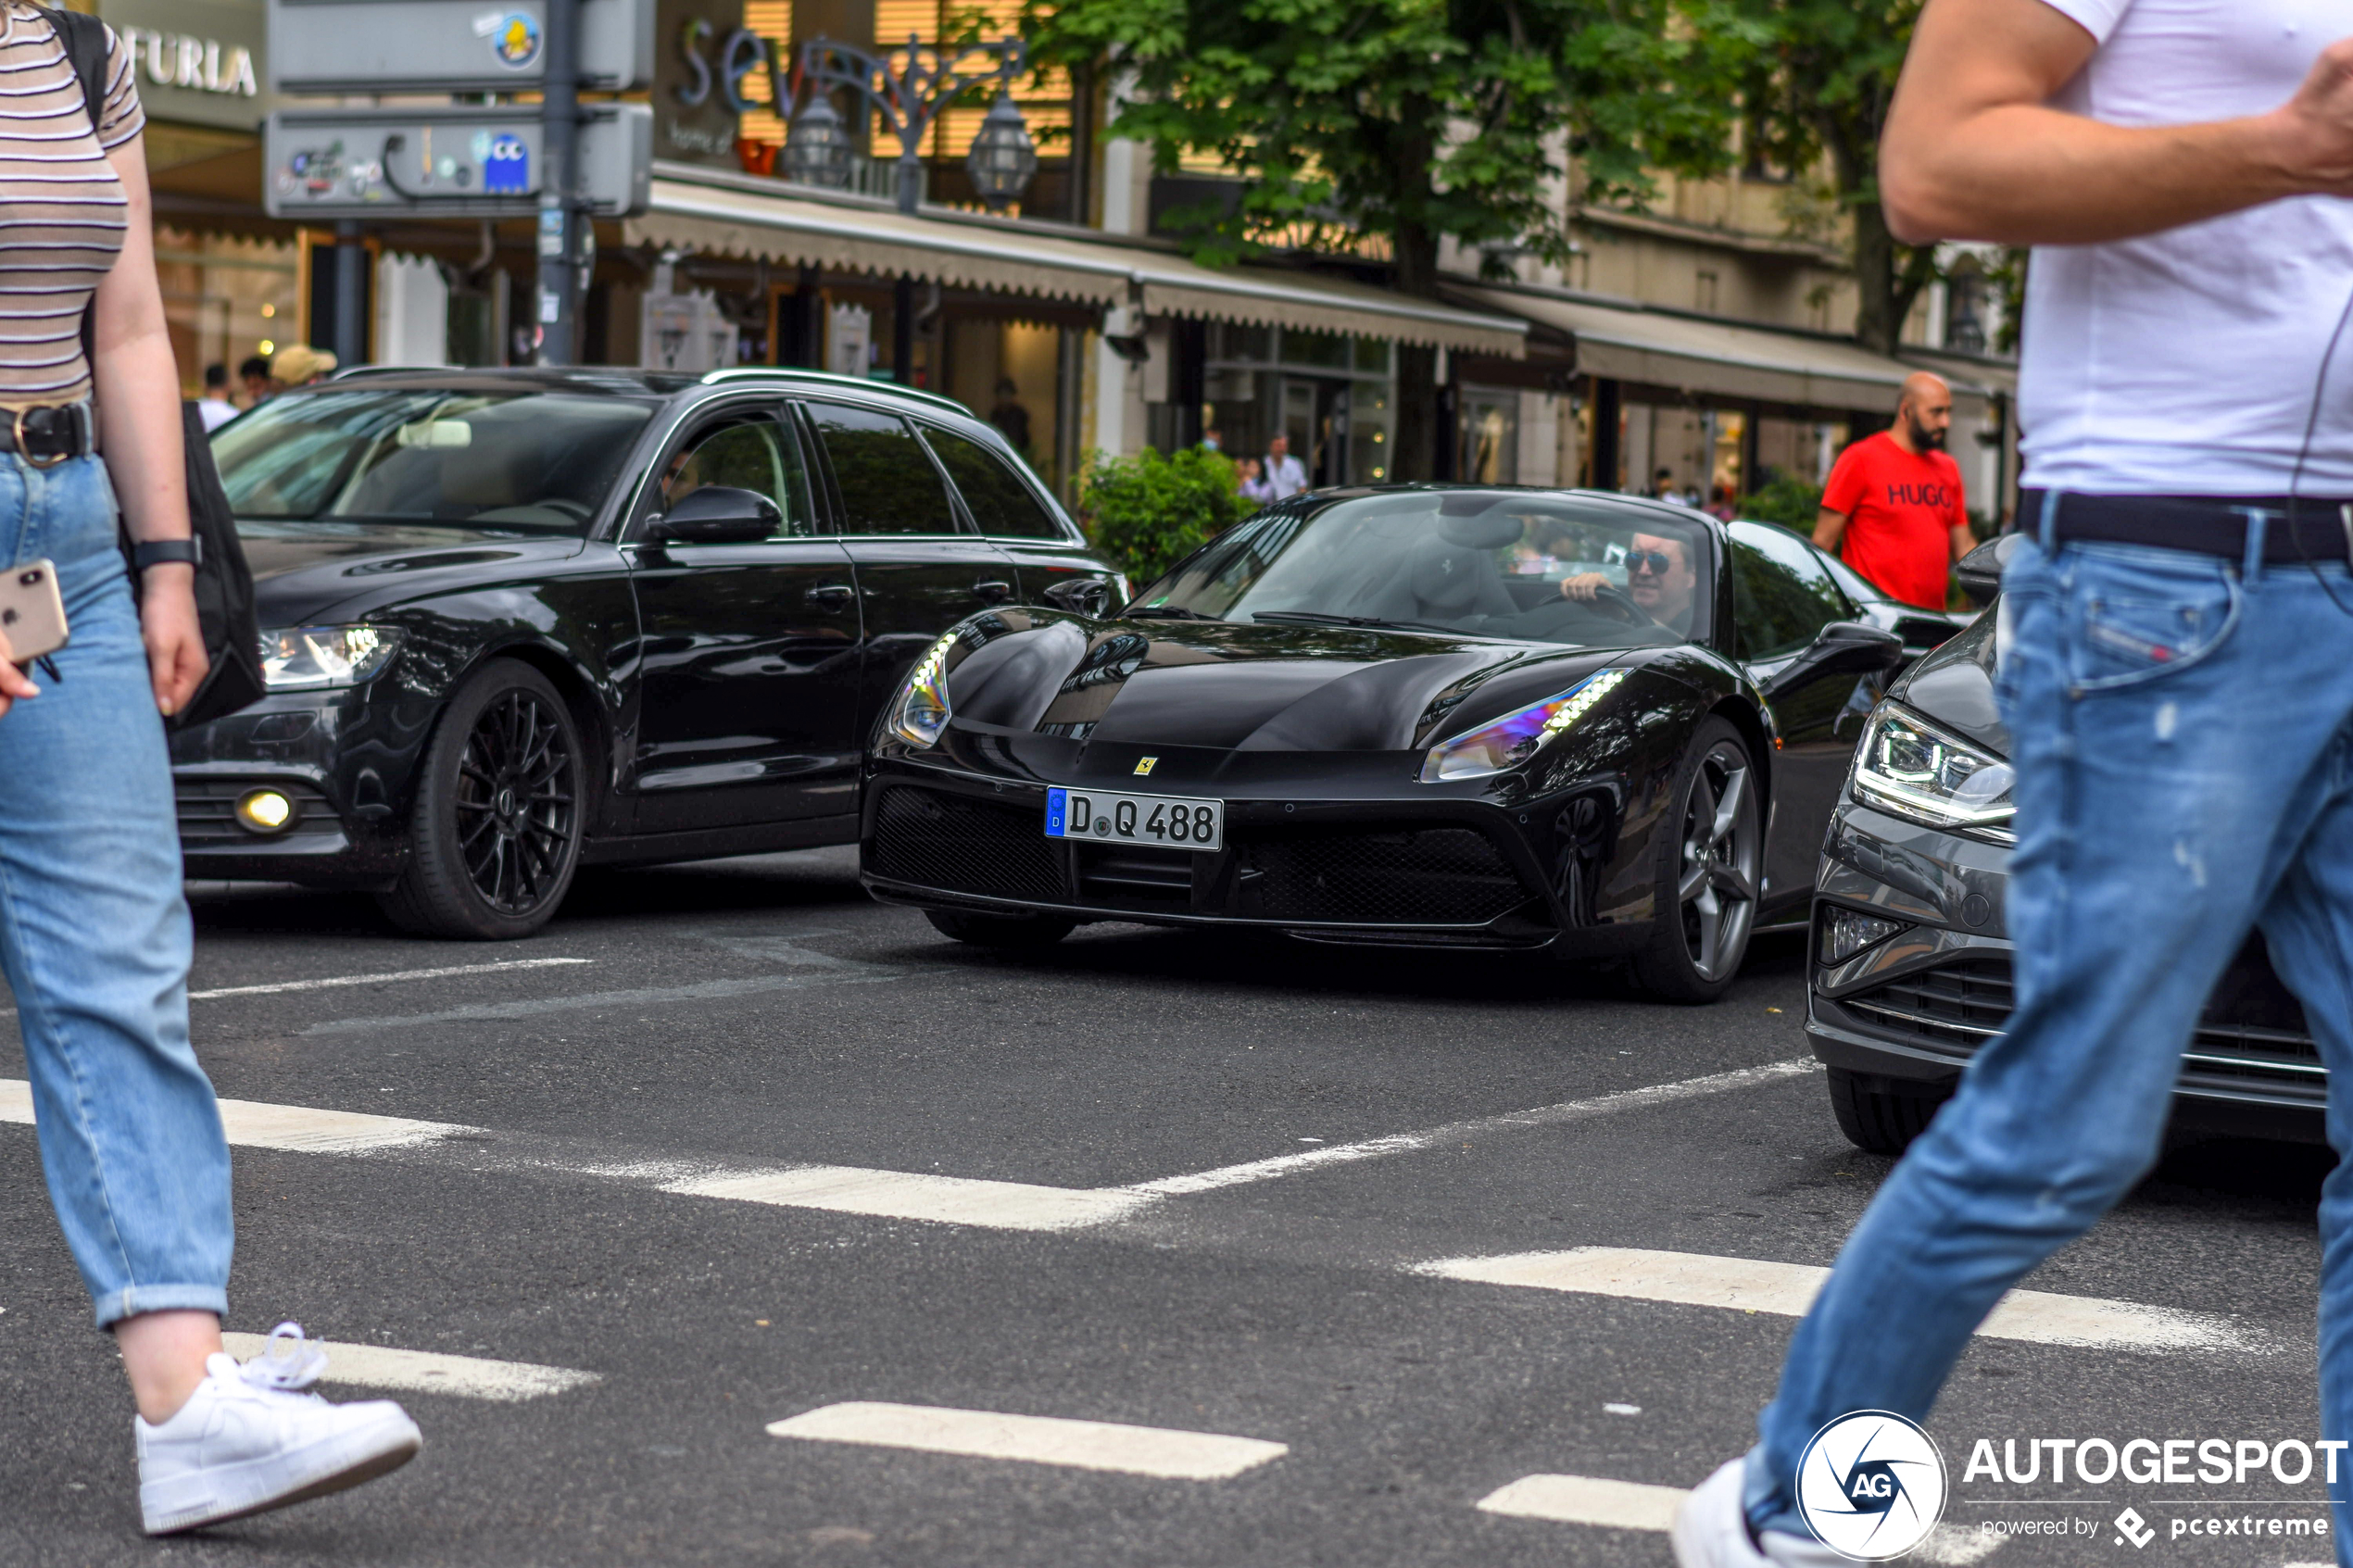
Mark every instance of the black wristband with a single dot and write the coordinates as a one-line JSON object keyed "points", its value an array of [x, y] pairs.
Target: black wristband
{"points": [[158, 552]]}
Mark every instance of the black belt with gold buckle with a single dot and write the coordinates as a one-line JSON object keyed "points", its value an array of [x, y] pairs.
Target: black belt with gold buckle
{"points": [[49, 434]]}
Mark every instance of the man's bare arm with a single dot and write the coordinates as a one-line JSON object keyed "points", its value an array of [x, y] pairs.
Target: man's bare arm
{"points": [[1963, 540], [1971, 152], [1830, 527]]}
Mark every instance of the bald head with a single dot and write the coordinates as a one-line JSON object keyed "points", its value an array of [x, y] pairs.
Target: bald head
{"points": [[1924, 412]]}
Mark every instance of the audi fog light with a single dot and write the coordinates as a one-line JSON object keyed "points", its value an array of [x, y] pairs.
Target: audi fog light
{"points": [[1848, 932], [298, 658], [920, 711], [264, 811], [1516, 737], [1910, 769]]}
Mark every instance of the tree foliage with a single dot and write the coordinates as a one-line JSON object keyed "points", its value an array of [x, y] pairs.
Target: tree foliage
{"points": [[1813, 80], [1402, 121], [1148, 512]]}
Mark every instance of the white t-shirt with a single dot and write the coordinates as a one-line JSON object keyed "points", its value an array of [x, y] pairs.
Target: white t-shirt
{"points": [[2185, 362], [1285, 477]]}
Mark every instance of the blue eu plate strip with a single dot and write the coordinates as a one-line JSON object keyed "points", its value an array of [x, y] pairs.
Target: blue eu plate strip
{"points": [[1057, 809]]}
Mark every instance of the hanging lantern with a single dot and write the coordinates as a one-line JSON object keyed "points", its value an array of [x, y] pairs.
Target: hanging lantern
{"points": [[1004, 159], [817, 147]]}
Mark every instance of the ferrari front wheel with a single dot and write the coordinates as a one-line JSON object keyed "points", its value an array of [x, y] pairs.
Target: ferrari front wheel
{"points": [[1710, 847]]}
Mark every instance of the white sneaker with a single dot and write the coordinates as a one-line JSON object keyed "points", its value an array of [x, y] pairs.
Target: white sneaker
{"points": [[1709, 1531], [249, 1440]]}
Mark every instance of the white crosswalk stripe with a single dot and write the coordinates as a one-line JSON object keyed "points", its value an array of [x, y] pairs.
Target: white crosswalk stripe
{"points": [[1787, 1289], [300, 1129], [902, 1196], [1034, 1440], [1631, 1505], [427, 1372]]}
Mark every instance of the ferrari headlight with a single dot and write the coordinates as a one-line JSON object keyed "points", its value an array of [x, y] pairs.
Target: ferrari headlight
{"points": [[1516, 737], [299, 656], [919, 713], [1910, 769]]}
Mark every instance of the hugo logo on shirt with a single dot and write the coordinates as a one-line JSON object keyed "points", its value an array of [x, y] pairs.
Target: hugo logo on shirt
{"points": [[1918, 496]]}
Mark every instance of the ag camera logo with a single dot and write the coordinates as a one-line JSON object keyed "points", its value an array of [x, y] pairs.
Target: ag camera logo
{"points": [[1872, 1486]]}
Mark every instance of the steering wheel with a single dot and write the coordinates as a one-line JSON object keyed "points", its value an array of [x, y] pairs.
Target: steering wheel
{"points": [[1616, 597]]}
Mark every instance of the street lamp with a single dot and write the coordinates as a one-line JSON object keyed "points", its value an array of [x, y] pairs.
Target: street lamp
{"points": [[1004, 159], [817, 147], [908, 97]]}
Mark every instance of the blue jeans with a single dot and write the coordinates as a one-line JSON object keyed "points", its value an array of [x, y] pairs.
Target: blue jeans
{"points": [[2182, 731], [94, 932]]}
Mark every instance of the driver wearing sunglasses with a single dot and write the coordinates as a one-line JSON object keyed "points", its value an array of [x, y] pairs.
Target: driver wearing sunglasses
{"points": [[1660, 579]]}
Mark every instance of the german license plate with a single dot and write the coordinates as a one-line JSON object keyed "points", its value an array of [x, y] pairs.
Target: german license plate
{"points": [[1164, 821]]}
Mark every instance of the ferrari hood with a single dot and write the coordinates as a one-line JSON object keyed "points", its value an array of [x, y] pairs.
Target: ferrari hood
{"points": [[1236, 687]]}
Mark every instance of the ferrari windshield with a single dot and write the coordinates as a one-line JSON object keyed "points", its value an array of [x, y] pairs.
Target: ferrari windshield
{"points": [[530, 462], [1492, 563]]}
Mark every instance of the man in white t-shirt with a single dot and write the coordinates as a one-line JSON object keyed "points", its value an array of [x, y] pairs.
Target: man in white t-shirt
{"points": [[2173, 673], [1284, 476]]}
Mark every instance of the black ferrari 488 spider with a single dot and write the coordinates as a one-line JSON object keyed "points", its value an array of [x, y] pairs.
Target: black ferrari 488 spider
{"points": [[1428, 716]]}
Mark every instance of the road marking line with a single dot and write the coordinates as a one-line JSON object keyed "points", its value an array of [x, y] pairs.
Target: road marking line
{"points": [[707, 990], [1587, 1499], [1036, 1439], [896, 1195], [340, 980], [427, 1372], [1788, 1289], [299, 1128], [1542, 1116], [1629, 1505]]}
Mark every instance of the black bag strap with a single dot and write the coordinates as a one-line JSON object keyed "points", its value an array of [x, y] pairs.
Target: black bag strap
{"points": [[86, 41]]}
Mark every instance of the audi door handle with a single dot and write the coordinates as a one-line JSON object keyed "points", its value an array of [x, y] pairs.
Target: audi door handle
{"points": [[828, 596], [993, 591]]}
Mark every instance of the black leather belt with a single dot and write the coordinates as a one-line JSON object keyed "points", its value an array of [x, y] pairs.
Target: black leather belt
{"points": [[47, 435], [2306, 528]]}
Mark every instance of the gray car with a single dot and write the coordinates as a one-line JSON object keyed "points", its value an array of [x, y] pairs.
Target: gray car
{"points": [[1910, 960]]}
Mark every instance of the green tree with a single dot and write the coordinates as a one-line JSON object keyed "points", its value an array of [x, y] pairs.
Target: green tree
{"points": [[1815, 78], [1400, 123]]}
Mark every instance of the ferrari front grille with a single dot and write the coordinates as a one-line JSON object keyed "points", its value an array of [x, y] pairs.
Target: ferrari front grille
{"points": [[965, 845], [1410, 876]]}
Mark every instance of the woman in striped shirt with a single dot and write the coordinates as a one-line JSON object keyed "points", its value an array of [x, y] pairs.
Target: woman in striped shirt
{"points": [[93, 933]]}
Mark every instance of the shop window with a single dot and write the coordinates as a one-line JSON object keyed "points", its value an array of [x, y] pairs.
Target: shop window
{"points": [[993, 494], [1489, 428], [1231, 340], [1372, 355], [887, 482], [1321, 350]]}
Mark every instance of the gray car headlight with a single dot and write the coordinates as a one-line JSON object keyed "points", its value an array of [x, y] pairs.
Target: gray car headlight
{"points": [[299, 657], [1908, 768], [920, 712]]}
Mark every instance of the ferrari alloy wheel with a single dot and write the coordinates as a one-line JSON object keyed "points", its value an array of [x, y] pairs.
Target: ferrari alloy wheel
{"points": [[1708, 873], [495, 835], [1000, 931]]}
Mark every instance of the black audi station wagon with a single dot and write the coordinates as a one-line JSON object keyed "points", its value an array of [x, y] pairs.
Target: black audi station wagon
{"points": [[516, 621]]}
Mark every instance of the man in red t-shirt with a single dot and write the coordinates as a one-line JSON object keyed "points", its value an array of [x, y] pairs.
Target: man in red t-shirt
{"points": [[1895, 499]]}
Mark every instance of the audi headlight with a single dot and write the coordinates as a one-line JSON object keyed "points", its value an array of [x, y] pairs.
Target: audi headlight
{"points": [[299, 656], [1516, 737], [1908, 768], [920, 711]]}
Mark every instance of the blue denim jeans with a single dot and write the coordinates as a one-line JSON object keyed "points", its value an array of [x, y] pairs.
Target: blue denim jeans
{"points": [[94, 932], [2182, 731]]}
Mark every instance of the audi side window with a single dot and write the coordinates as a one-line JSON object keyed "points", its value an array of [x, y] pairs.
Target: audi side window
{"points": [[995, 495], [888, 483], [1782, 594], [757, 454]]}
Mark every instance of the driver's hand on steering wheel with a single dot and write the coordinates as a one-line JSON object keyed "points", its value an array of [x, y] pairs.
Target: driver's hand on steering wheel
{"points": [[1585, 585]]}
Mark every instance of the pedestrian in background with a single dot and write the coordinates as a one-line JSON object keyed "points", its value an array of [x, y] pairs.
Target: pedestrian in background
{"points": [[253, 374], [2172, 671], [1009, 417], [1892, 508], [93, 931], [1285, 477], [1252, 484], [214, 406], [300, 365]]}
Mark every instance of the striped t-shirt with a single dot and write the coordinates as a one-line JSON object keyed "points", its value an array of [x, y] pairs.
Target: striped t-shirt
{"points": [[62, 212]]}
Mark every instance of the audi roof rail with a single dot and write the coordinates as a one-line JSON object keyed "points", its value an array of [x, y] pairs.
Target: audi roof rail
{"points": [[789, 372]]}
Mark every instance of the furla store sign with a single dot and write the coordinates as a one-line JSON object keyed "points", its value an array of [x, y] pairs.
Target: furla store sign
{"points": [[198, 61]]}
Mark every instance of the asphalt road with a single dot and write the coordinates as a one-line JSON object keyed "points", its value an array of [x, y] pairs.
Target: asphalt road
{"points": [[601, 1166]]}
